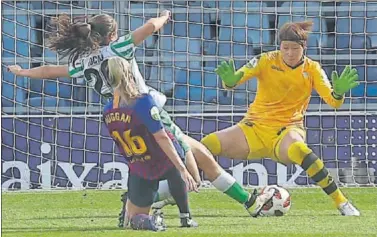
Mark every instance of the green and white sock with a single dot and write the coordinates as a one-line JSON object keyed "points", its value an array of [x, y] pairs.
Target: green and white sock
{"points": [[228, 185]]}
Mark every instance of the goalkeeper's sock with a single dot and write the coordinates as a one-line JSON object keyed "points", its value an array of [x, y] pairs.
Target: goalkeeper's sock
{"points": [[302, 155], [228, 185], [163, 191]]}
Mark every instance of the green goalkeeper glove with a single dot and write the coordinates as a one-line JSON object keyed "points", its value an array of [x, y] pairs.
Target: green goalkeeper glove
{"points": [[228, 74], [346, 81]]}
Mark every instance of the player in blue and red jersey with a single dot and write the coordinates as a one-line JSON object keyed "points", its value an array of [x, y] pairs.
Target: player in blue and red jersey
{"points": [[151, 151]]}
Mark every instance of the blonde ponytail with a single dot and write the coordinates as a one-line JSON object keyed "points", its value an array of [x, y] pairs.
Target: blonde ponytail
{"points": [[121, 78]]}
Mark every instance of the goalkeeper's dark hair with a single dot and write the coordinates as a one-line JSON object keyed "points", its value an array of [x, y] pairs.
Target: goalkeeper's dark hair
{"points": [[295, 31], [77, 39]]}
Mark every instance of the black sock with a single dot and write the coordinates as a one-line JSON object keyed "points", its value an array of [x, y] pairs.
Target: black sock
{"points": [[178, 190]]}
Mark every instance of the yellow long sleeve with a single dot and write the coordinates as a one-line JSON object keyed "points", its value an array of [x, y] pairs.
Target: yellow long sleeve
{"points": [[324, 88], [250, 70]]}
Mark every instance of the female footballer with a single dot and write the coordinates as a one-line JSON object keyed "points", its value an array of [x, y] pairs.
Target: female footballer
{"points": [[152, 151], [89, 47], [273, 125]]}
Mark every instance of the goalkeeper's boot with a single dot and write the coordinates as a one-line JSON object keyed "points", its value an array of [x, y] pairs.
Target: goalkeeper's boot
{"points": [[187, 222], [161, 204], [158, 219], [123, 220], [259, 200], [347, 209]]}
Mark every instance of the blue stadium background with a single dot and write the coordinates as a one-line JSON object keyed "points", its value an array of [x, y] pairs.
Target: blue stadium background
{"points": [[213, 29], [180, 62]]}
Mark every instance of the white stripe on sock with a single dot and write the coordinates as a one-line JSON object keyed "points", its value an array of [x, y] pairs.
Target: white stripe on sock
{"points": [[224, 181]]}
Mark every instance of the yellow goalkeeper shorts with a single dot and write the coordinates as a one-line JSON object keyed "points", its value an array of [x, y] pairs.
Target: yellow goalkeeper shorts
{"points": [[264, 141]]}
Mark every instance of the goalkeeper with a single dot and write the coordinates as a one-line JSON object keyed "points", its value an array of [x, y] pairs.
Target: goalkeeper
{"points": [[273, 124]]}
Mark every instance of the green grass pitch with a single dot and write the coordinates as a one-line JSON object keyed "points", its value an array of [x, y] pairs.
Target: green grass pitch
{"points": [[94, 213]]}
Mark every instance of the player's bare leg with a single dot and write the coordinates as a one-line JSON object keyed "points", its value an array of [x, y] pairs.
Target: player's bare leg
{"points": [[222, 143], [293, 149], [223, 181]]}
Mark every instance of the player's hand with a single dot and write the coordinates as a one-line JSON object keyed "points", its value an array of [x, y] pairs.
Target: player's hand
{"points": [[227, 73], [189, 180], [15, 69], [345, 82], [167, 14]]}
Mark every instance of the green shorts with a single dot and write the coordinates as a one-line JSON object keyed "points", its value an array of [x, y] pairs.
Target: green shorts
{"points": [[174, 129]]}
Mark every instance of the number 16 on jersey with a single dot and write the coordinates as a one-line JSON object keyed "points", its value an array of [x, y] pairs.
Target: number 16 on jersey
{"points": [[132, 145]]}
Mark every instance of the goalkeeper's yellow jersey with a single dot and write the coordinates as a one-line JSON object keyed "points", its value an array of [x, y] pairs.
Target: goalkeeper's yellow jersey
{"points": [[283, 93]]}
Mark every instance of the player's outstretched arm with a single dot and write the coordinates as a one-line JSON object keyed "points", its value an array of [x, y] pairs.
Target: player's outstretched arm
{"points": [[152, 25], [334, 95], [42, 72], [232, 78]]}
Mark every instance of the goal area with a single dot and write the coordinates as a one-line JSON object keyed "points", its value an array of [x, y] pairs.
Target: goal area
{"points": [[52, 132]]}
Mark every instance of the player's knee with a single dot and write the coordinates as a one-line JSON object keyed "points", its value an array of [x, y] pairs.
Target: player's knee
{"points": [[212, 143], [301, 154]]}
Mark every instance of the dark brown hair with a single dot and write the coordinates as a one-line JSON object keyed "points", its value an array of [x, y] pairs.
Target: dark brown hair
{"points": [[76, 39], [295, 31]]}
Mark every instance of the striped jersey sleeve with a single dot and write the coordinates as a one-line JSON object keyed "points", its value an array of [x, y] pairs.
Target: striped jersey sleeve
{"points": [[76, 70], [124, 47]]}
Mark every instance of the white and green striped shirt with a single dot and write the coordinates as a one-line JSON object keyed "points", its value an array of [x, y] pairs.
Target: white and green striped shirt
{"points": [[94, 69]]}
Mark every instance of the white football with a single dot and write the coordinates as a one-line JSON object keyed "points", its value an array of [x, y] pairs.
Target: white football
{"points": [[280, 203]]}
